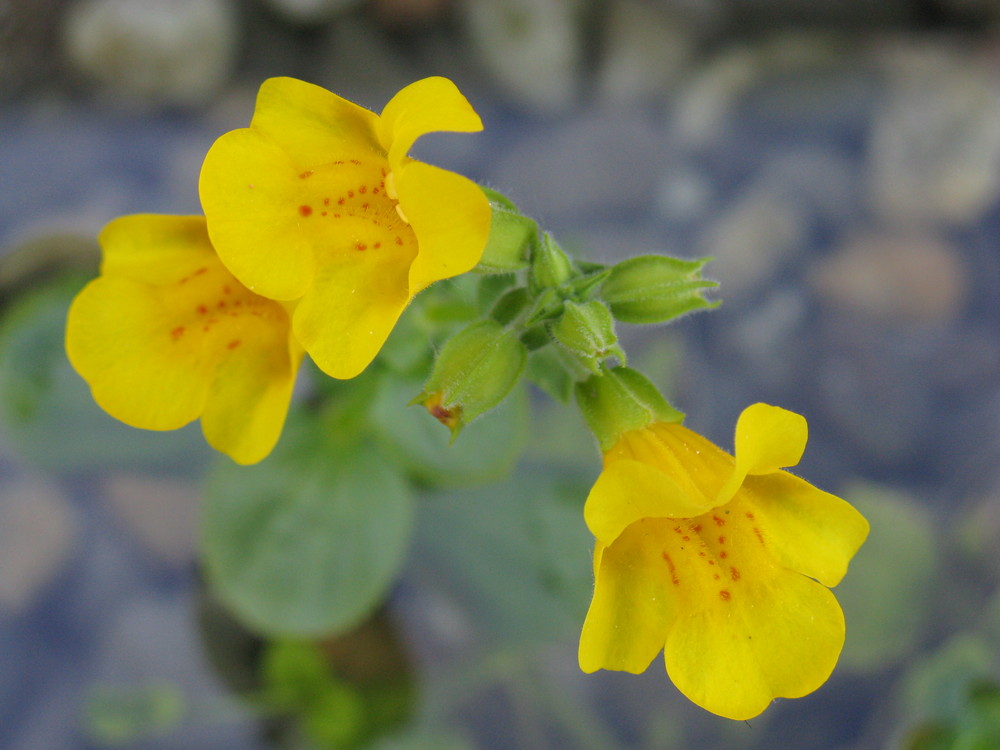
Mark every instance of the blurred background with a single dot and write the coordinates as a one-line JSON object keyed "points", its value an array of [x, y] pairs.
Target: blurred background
{"points": [[840, 161]]}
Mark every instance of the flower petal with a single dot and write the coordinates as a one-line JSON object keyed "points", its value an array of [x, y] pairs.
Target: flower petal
{"points": [[154, 248], [450, 216], [808, 530], [628, 491], [777, 636], [768, 438], [352, 306], [117, 339], [251, 194], [426, 106], [248, 401], [311, 125], [632, 608]]}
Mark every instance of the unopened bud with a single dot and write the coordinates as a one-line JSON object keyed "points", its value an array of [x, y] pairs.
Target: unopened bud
{"points": [[656, 288], [588, 331], [550, 266], [474, 372], [512, 237]]}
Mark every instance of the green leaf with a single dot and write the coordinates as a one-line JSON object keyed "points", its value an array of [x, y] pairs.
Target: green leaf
{"points": [[309, 541], [516, 556], [486, 450]]}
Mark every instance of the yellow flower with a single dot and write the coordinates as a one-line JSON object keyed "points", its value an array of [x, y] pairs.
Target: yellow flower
{"points": [[167, 335], [724, 564], [318, 201]]}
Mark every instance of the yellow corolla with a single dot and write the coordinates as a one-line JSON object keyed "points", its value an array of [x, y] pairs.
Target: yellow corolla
{"points": [[317, 201], [723, 563], [167, 335]]}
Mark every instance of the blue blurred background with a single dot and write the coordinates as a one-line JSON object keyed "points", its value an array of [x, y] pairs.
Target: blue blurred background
{"points": [[840, 161]]}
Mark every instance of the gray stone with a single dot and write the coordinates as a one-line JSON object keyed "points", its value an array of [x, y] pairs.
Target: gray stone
{"points": [[596, 165], [160, 513], [532, 48], [148, 53], [644, 50], [896, 278], [935, 146], [38, 531]]}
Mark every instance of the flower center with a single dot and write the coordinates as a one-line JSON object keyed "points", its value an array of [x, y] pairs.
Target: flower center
{"points": [[354, 203]]}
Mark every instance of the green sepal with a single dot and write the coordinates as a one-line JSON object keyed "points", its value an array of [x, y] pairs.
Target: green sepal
{"points": [[512, 238], [551, 267], [619, 400], [474, 371], [656, 288], [588, 331]]}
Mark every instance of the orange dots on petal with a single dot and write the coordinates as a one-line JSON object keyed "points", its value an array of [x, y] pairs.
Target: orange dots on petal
{"points": [[360, 246], [305, 175], [233, 344], [202, 310], [724, 595], [177, 333], [718, 521], [305, 210], [734, 573]]}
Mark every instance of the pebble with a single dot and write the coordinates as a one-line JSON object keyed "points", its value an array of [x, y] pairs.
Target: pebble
{"points": [[901, 278], [37, 536], [644, 50], [934, 152], [533, 49], [310, 11], [149, 54], [549, 174], [160, 513]]}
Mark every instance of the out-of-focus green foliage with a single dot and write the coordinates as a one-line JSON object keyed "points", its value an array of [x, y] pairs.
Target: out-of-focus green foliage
{"points": [[116, 716]]}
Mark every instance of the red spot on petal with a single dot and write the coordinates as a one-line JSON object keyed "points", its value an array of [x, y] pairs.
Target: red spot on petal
{"points": [[677, 530], [696, 528], [340, 201], [308, 173], [323, 213], [200, 271], [233, 344], [749, 515], [377, 245], [364, 206], [177, 333], [716, 576], [723, 554], [718, 521], [202, 310], [672, 567], [326, 201], [360, 246], [734, 574], [374, 191], [355, 162], [399, 240], [724, 595], [363, 189], [222, 304], [350, 193], [722, 540], [305, 210], [760, 536]]}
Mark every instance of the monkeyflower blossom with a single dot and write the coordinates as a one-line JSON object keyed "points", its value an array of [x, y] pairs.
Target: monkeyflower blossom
{"points": [[317, 202], [166, 335], [723, 563]]}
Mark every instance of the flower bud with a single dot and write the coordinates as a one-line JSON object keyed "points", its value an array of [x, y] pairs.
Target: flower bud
{"points": [[512, 237], [656, 288], [588, 331], [474, 372], [550, 266], [619, 400]]}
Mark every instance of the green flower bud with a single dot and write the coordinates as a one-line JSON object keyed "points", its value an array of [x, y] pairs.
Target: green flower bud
{"points": [[474, 372], [512, 237], [588, 331], [656, 288], [550, 266], [619, 400]]}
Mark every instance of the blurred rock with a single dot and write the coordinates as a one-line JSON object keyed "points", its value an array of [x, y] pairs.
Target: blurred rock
{"points": [[310, 11], [532, 48], [408, 14], [160, 513], [751, 239], [37, 535], [593, 166], [28, 32], [643, 51], [151, 54], [894, 278], [935, 147]]}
